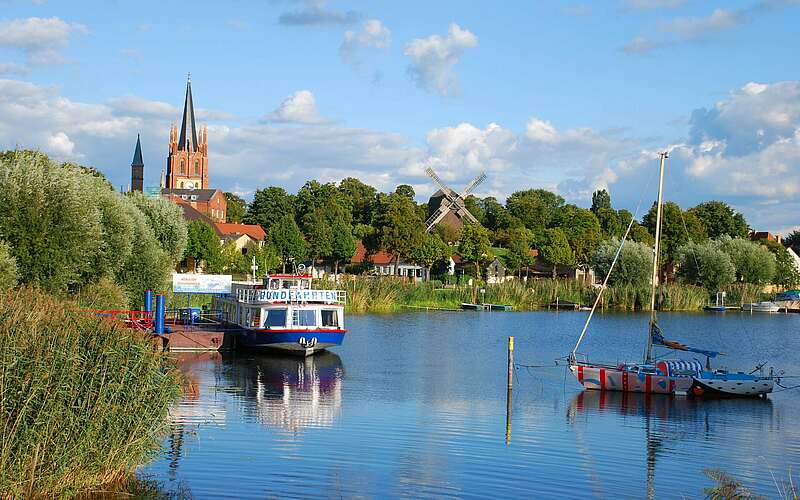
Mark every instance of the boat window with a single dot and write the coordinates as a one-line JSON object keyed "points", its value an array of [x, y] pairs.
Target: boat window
{"points": [[304, 317], [274, 284], [276, 318], [329, 317], [305, 284]]}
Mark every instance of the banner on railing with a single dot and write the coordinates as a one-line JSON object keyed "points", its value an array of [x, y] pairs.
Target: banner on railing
{"points": [[201, 283], [297, 295]]}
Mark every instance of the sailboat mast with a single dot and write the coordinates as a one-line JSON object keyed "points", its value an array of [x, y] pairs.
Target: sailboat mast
{"points": [[648, 357]]}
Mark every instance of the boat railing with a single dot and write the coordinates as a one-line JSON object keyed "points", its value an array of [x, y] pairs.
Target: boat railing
{"points": [[290, 296]]}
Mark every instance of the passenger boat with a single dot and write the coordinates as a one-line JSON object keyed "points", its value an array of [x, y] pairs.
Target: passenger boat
{"points": [[284, 312], [662, 376]]}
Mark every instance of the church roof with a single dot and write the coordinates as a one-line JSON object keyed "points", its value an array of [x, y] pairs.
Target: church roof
{"points": [[187, 124], [137, 154], [201, 194]]}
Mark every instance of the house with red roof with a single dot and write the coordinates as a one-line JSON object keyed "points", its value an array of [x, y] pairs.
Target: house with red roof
{"points": [[383, 264]]}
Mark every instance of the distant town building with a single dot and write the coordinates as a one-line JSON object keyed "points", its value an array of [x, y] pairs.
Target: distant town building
{"points": [[383, 264], [186, 179], [137, 167]]}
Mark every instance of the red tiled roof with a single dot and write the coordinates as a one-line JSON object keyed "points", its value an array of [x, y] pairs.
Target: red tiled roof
{"points": [[380, 258], [252, 230]]}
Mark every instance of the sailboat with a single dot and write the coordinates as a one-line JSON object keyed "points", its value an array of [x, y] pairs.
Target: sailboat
{"points": [[663, 376]]}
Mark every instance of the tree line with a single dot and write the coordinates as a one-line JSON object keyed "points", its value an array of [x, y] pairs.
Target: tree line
{"points": [[323, 221]]}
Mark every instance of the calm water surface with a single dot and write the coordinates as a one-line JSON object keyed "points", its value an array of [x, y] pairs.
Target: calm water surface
{"points": [[414, 405]]}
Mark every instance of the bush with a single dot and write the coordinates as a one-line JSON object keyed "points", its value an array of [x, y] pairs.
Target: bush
{"points": [[705, 265], [102, 294], [54, 229], [8, 268], [634, 265], [166, 220], [753, 262], [83, 402]]}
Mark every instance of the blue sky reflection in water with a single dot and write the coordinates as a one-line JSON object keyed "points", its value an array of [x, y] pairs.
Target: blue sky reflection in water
{"points": [[414, 405]]}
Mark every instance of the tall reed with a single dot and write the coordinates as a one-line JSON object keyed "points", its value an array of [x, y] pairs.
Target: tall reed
{"points": [[83, 401]]}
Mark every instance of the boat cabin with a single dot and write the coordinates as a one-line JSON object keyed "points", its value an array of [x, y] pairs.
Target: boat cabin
{"points": [[283, 302]]}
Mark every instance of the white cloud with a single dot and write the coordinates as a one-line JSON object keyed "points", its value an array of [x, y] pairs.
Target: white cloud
{"points": [[139, 106], [640, 45], [12, 69], [41, 39], [690, 28], [315, 14], [300, 107], [433, 59], [59, 145], [373, 34]]}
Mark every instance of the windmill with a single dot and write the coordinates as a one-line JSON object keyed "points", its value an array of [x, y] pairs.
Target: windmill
{"points": [[446, 201]]}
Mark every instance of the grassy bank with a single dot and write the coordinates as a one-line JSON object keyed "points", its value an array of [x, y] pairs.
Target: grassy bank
{"points": [[390, 295], [82, 401]]}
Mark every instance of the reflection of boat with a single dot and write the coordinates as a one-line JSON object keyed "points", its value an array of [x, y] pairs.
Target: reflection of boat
{"points": [[665, 376], [289, 392], [284, 312], [763, 307], [666, 419]]}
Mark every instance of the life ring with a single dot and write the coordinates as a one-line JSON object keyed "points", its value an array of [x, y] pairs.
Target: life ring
{"points": [[302, 341]]}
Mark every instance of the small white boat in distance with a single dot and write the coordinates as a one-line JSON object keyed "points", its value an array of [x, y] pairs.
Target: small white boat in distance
{"points": [[762, 307]]}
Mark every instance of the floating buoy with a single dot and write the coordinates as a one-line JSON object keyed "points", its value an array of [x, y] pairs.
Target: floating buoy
{"points": [[698, 391]]}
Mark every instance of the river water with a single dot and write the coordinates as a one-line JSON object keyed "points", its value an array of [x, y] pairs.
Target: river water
{"points": [[414, 405]]}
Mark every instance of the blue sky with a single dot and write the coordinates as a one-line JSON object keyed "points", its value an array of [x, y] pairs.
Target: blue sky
{"points": [[568, 96]]}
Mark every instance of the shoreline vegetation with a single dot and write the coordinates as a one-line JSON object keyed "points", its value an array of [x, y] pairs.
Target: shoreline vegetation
{"points": [[84, 401], [386, 295]]}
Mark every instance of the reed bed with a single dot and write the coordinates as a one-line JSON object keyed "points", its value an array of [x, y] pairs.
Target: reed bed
{"points": [[83, 401], [385, 294], [743, 293]]}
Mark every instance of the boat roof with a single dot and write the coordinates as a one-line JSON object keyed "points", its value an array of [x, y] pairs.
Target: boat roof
{"points": [[288, 276]]}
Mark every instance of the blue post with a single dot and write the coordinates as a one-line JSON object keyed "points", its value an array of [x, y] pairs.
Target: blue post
{"points": [[148, 301], [160, 313]]}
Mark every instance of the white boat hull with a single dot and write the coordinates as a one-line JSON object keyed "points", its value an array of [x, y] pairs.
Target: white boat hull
{"points": [[739, 385]]}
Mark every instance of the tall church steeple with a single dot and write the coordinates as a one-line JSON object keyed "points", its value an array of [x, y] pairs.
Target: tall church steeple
{"points": [[137, 167], [187, 162]]}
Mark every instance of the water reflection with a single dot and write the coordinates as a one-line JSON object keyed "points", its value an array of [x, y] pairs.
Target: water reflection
{"points": [[288, 392], [665, 419]]}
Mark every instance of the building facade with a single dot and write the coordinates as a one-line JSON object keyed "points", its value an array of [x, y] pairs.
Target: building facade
{"points": [[137, 167]]}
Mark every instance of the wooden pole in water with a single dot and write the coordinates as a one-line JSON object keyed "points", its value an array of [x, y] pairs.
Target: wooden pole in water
{"points": [[510, 388]]}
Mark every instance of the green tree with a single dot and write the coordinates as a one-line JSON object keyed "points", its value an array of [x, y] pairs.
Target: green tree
{"points": [[287, 240], [520, 241], [231, 260], [431, 251], [786, 274], [611, 223], [166, 220], [54, 231], [319, 235], [405, 190], [720, 219], [705, 264], [474, 245], [556, 250], [634, 265], [583, 232], [753, 262], [536, 208], [269, 206], [266, 257], [203, 246], [496, 216], [8, 268], [399, 227], [359, 198], [601, 200], [315, 196], [344, 244], [678, 228], [473, 204], [237, 208], [148, 267], [640, 234]]}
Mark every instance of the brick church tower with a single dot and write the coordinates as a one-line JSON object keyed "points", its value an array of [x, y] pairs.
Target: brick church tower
{"points": [[187, 163], [137, 167]]}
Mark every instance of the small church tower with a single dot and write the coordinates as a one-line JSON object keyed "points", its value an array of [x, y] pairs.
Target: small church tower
{"points": [[187, 163], [137, 167]]}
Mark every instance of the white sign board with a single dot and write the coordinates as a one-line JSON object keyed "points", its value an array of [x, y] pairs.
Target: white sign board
{"points": [[201, 283], [296, 295]]}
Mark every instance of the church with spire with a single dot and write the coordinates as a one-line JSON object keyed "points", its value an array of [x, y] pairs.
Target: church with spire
{"points": [[187, 180]]}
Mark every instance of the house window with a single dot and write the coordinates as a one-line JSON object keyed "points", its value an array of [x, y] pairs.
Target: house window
{"points": [[304, 317], [330, 318], [276, 318]]}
